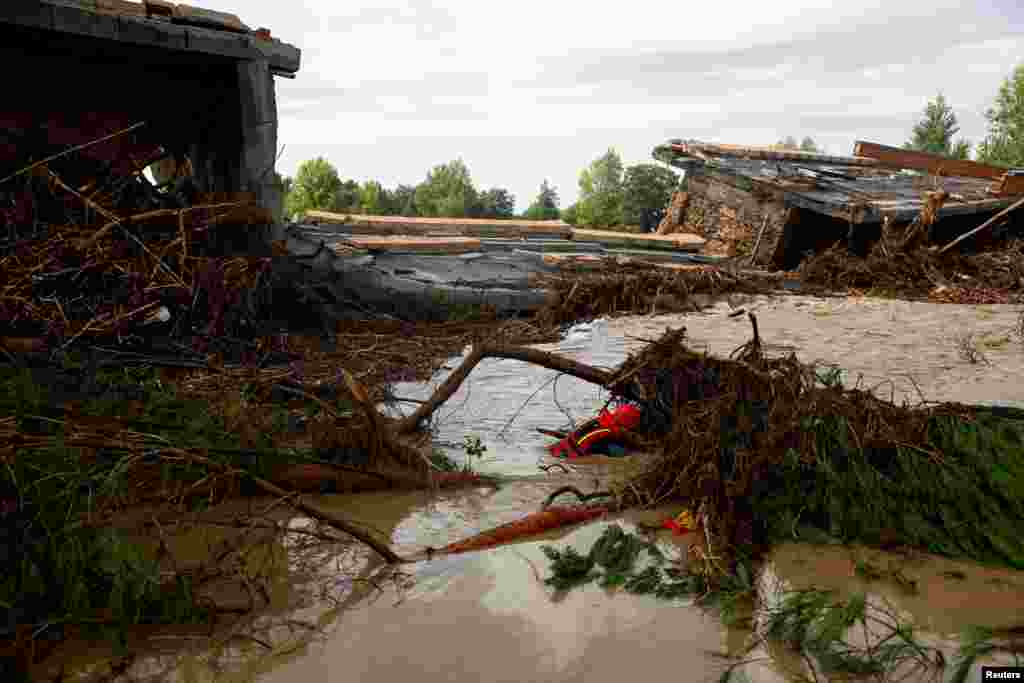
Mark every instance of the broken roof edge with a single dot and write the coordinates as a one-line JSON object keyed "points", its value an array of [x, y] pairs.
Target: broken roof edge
{"points": [[699, 150], [839, 200], [865, 153], [84, 18]]}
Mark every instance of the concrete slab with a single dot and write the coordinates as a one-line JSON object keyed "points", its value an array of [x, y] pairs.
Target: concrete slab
{"points": [[219, 43], [27, 13], [259, 148], [73, 20], [128, 21], [282, 56], [398, 243], [154, 32], [256, 87]]}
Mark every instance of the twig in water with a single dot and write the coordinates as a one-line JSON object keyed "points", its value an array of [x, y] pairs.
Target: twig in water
{"points": [[583, 497], [524, 404]]}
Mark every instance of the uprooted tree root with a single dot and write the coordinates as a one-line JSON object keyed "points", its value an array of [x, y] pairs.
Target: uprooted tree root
{"points": [[922, 272], [763, 447], [585, 294]]}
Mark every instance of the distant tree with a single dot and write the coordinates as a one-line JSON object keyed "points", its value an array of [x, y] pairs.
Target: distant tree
{"points": [[788, 143], [648, 190], [496, 202], [569, 214], [404, 200], [961, 149], [601, 192], [348, 197], [1004, 143], [371, 198], [447, 191], [545, 206], [315, 187], [387, 202], [808, 145], [934, 132]]}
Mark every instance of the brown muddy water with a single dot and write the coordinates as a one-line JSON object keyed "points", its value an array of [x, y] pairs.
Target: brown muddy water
{"points": [[896, 347], [336, 614]]}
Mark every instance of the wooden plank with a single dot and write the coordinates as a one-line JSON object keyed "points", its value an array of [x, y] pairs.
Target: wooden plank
{"points": [[120, 7], [1009, 185], [895, 157], [769, 154], [675, 241], [555, 259], [208, 17], [449, 245], [159, 8], [473, 227], [1016, 205]]}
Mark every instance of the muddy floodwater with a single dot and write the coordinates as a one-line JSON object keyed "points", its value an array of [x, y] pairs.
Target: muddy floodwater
{"points": [[487, 616], [902, 350]]}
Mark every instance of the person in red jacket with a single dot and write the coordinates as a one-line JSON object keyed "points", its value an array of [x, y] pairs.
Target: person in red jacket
{"points": [[601, 435]]}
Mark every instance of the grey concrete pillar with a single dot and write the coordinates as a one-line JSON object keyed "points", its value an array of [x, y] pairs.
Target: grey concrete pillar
{"points": [[259, 133]]}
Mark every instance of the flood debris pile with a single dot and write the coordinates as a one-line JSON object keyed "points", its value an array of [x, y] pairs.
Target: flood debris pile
{"points": [[766, 449], [145, 363], [619, 289], [989, 277], [131, 274], [778, 206], [87, 487]]}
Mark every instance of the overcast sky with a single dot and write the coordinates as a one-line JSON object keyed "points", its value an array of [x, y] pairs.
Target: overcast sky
{"points": [[531, 90]]}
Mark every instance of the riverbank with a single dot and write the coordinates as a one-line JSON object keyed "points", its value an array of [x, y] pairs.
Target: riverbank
{"points": [[491, 404]]}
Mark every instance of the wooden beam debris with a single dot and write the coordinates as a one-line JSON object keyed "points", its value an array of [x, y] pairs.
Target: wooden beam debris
{"points": [[894, 157], [679, 241], [447, 245], [984, 225], [1009, 185], [702, 150], [469, 227]]}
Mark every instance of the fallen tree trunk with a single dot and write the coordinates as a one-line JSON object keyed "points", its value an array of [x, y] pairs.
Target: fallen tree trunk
{"points": [[544, 359]]}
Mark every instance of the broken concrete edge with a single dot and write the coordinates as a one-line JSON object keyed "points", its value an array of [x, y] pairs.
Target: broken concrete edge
{"points": [[69, 16], [356, 277]]}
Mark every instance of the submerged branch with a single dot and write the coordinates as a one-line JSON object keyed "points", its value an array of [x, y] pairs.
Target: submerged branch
{"points": [[310, 509]]}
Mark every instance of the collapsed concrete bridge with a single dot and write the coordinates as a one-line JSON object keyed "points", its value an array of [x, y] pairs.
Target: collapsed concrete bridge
{"points": [[202, 81]]}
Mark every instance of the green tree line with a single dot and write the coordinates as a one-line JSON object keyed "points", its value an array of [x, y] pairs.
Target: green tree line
{"points": [[1003, 144], [610, 194]]}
